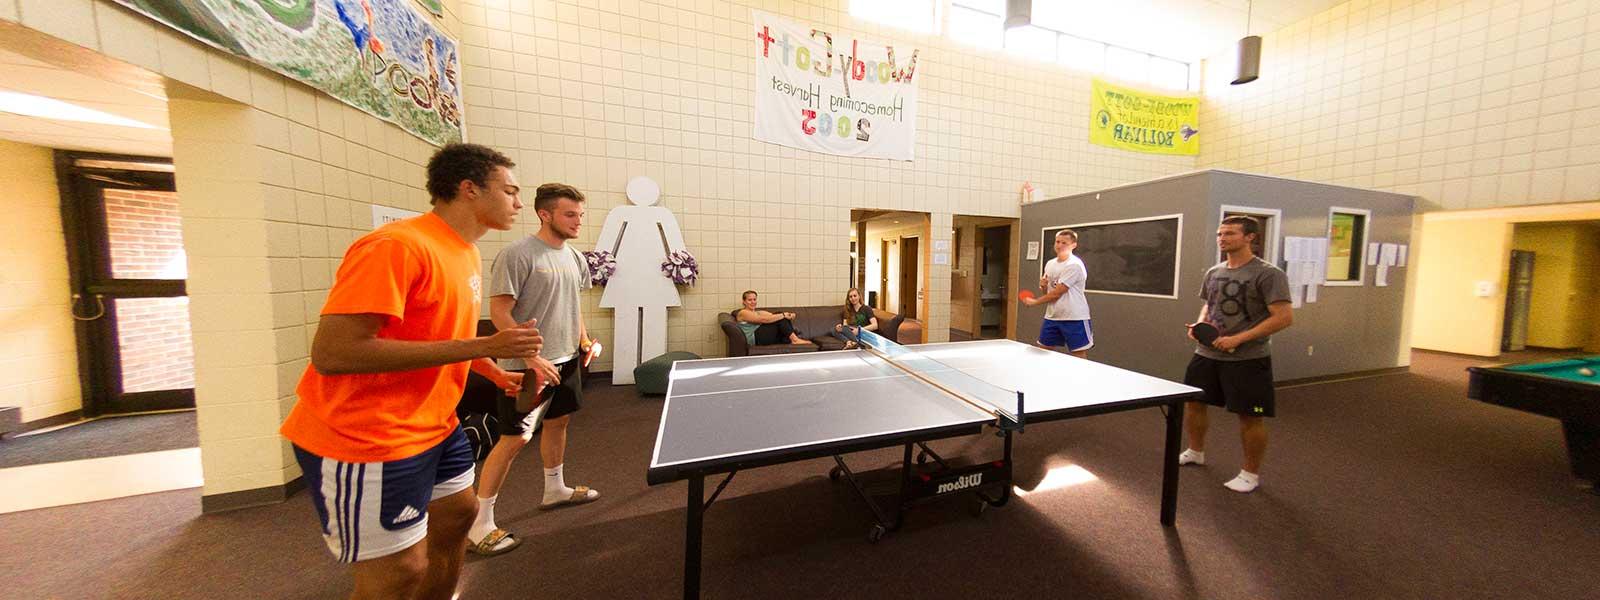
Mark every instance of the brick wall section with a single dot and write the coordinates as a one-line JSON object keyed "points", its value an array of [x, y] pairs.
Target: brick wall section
{"points": [[152, 333], [146, 235]]}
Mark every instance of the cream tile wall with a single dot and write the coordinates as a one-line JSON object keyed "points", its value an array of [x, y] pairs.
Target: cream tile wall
{"points": [[38, 353], [1466, 103], [276, 180], [591, 92]]}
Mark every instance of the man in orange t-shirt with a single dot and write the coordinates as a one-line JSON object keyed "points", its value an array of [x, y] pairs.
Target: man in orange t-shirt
{"points": [[375, 429]]}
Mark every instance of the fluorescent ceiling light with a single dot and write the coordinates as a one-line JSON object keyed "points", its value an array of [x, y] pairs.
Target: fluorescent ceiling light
{"points": [[50, 108]]}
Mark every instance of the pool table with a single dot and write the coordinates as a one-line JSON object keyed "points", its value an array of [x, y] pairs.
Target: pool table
{"points": [[1556, 388]]}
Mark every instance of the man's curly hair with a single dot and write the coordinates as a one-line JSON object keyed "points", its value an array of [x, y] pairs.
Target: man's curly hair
{"points": [[456, 162]]}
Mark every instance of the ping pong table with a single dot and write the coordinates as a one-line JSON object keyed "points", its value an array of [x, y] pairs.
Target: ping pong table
{"points": [[723, 415]]}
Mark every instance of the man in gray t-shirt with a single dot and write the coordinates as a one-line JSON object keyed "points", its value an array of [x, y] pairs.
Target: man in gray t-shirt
{"points": [[538, 278], [1247, 300]]}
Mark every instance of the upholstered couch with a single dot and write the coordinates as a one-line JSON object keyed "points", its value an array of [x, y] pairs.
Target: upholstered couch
{"points": [[816, 323]]}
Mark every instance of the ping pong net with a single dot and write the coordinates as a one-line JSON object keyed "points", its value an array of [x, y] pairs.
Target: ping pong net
{"points": [[1005, 405]]}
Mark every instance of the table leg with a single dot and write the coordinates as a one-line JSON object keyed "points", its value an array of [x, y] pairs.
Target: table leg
{"points": [[1169, 470], [691, 537]]}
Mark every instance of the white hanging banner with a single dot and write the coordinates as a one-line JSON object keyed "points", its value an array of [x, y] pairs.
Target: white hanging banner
{"points": [[833, 95]]}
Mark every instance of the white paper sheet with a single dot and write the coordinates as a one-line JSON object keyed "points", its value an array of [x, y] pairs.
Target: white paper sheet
{"points": [[1383, 276], [1033, 250], [1403, 251], [1372, 253]]}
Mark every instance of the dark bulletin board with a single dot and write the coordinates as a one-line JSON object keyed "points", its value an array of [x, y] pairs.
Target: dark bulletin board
{"points": [[1136, 257]]}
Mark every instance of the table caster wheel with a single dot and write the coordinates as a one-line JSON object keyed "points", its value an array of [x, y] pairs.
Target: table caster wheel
{"points": [[835, 473], [922, 458], [876, 533]]}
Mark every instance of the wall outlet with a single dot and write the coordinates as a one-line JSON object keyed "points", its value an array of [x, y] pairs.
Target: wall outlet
{"points": [[1483, 289], [1310, 350]]}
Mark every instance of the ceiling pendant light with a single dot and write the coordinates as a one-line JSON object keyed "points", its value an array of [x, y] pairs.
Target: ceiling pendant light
{"points": [[1249, 52]]}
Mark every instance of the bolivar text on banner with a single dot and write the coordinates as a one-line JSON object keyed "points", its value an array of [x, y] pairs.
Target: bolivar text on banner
{"points": [[1131, 119], [826, 93]]}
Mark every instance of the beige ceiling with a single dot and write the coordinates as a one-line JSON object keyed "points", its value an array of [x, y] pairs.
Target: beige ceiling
{"points": [[133, 97]]}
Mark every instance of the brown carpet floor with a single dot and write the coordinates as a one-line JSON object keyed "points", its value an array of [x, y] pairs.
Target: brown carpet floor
{"points": [[1390, 487]]}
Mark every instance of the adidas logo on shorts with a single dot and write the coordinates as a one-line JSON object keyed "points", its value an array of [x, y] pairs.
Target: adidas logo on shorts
{"points": [[406, 514]]}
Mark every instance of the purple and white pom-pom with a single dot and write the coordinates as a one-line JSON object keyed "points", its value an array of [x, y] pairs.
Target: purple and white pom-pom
{"points": [[602, 265], [681, 268]]}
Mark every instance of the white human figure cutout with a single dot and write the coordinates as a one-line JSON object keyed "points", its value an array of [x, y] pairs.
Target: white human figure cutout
{"points": [[640, 236]]}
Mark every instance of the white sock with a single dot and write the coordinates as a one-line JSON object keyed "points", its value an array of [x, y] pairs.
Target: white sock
{"points": [[1245, 483], [555, 487], [1190, 456], [484, 525]]}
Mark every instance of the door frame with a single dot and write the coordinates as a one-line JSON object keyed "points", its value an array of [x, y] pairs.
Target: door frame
{"points": [[80, 177]]}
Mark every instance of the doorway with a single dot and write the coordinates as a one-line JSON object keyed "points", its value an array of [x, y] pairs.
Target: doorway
{"points": [[880, 296], [982, 278], [1551, 289], [994, 291], [128, 269], [1266, 244], [890, 264], [910, 260]]}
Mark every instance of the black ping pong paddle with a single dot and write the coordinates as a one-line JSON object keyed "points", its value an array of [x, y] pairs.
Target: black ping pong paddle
{"points": [[1205, 333]]}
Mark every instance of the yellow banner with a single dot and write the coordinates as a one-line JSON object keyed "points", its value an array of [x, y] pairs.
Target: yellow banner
{"points": [[1140, 121]]}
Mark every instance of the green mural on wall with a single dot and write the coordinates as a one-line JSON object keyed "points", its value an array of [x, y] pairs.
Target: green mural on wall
{"points": [[381, 56]]}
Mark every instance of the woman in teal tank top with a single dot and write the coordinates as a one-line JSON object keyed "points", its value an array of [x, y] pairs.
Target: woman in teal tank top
{"points": [[761, 327]]}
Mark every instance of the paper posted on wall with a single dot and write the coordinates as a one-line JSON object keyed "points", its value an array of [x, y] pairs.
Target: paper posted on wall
{"points": [[1305, 262]]}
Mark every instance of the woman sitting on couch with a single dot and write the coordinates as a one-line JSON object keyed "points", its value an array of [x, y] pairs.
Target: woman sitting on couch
{"points": [[855, 314], [761, 327]]}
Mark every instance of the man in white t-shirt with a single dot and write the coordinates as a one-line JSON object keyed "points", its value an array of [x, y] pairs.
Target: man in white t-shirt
{"points": [[1066, 313]]}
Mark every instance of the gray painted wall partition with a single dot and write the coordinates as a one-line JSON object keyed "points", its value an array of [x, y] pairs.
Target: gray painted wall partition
{"points": [[1352, 329]]}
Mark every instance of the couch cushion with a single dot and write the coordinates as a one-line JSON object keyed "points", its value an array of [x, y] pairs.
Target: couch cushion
{"points": [[828, 342], [764, 349]]}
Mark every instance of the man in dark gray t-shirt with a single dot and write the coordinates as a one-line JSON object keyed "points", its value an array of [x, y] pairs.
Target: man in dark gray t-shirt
{"points": [[1247, 300], [538, 278]]}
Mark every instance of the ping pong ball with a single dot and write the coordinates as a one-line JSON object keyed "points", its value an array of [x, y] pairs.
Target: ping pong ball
{"points": [[1586, 372]]}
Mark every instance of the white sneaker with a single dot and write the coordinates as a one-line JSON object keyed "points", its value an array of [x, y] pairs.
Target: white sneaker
{"points": [[1191, 457], [1244, 483]]}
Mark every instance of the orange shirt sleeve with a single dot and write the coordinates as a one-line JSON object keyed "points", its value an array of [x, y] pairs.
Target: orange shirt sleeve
{"points": [[374, 278]]}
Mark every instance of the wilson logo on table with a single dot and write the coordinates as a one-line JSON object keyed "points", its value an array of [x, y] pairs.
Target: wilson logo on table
{"points": [[961, 483]]}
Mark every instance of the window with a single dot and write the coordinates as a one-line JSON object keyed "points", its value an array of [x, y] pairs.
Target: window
{"points": [[1347, 238], [975, 27], [1169, 74], [1032, 42], [1081, 54], [916, 15], [1127, 65], [981, 23]]}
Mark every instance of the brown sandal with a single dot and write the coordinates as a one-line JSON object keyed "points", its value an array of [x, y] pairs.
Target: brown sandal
{"points": [[490, 545], [580, 495]]}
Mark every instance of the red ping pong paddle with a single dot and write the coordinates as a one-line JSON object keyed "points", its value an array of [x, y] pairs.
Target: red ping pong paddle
{"points": [[531, 391], [1025, 295], [1205, 333]]}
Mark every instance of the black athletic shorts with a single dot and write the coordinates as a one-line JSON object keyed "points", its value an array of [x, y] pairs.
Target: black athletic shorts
{"points": [[1241, 386], [564, 398]]}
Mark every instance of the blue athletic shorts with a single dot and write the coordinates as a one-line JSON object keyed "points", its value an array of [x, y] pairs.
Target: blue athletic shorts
{"points": [[370, 510], [1074, 335]]}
